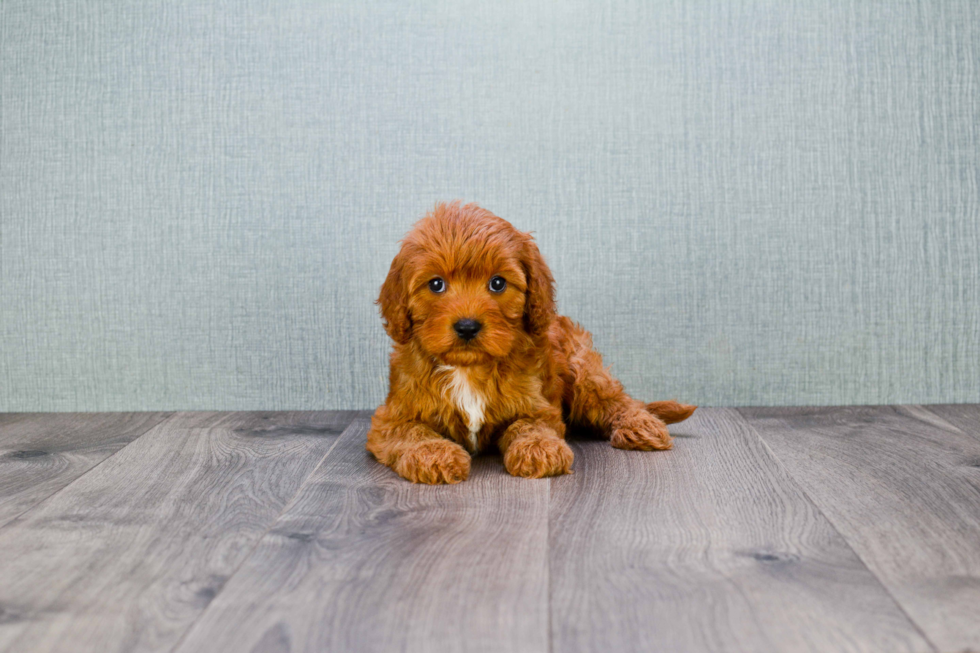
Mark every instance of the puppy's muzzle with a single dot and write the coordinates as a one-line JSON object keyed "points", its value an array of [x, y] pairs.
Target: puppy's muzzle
{"points": [[467, 328]]}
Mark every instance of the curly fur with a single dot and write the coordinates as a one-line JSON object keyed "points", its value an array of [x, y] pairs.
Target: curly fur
{"points": [[527, 373]]}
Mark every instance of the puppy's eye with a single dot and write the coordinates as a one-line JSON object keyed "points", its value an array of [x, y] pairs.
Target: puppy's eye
{"points": [[437, 285], [497, 284]]}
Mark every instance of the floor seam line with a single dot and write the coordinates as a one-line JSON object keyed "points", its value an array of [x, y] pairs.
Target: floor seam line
{"points": [[40, 503], [286, 506], [34, 612], [925, 407], [816, 506]]}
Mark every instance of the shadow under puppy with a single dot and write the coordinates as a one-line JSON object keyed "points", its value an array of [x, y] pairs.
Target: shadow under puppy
{"points": [[481, 358]]}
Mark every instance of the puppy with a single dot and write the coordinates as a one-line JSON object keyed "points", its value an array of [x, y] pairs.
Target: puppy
{"points": [[481, 359]]}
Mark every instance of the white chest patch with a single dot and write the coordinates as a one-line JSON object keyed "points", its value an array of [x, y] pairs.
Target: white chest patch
{"points": [[468, 400]]}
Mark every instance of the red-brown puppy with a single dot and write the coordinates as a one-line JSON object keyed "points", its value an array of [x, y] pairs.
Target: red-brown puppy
{"points": [[481, 359]]}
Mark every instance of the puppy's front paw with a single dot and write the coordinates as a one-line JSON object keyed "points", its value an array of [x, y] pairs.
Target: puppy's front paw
{"points": [[638, 429], [434, 462], [536, 457]]}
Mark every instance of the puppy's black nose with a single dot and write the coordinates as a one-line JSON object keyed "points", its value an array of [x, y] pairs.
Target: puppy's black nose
{"points": [[467, 328]]}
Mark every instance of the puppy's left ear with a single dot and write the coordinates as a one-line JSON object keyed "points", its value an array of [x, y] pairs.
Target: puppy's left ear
{"points": [[393, 301], [539, 306]]}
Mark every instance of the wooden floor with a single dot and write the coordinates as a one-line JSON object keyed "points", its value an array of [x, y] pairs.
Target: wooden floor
{"points": [[765, 529]]}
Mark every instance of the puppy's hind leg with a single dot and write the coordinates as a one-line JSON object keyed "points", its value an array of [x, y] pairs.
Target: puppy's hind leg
{"points": [[598, 399]]}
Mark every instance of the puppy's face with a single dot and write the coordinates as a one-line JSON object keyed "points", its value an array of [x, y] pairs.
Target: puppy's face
{"points": [[465, 286], [467, 309]]}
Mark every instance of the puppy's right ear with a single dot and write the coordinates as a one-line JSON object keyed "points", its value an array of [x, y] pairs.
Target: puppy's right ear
{"points": [[394, 302]]}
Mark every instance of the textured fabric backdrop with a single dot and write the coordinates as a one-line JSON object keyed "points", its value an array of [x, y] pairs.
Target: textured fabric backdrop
{"points": [[764, 202]]}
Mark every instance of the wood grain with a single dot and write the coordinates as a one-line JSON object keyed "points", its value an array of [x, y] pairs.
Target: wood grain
{"points": [[709, 547], [365, 561], [965, 417], [42, 453], [126, 558], [901, 484]]}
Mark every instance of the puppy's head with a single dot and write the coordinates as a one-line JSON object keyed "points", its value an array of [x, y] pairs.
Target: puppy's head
{"points": [[466, 286]]}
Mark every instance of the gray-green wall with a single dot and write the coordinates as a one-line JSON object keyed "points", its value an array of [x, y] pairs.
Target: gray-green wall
{"points": [[747, 202]]}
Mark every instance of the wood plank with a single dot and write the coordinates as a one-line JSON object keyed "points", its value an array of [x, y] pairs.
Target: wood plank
{"points": [[708, 547], [902, 486], [126, 558], [40, 453], [366, 561]]}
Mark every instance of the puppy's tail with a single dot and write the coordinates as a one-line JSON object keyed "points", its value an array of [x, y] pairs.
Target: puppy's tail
{"points": [[671, 412]]}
